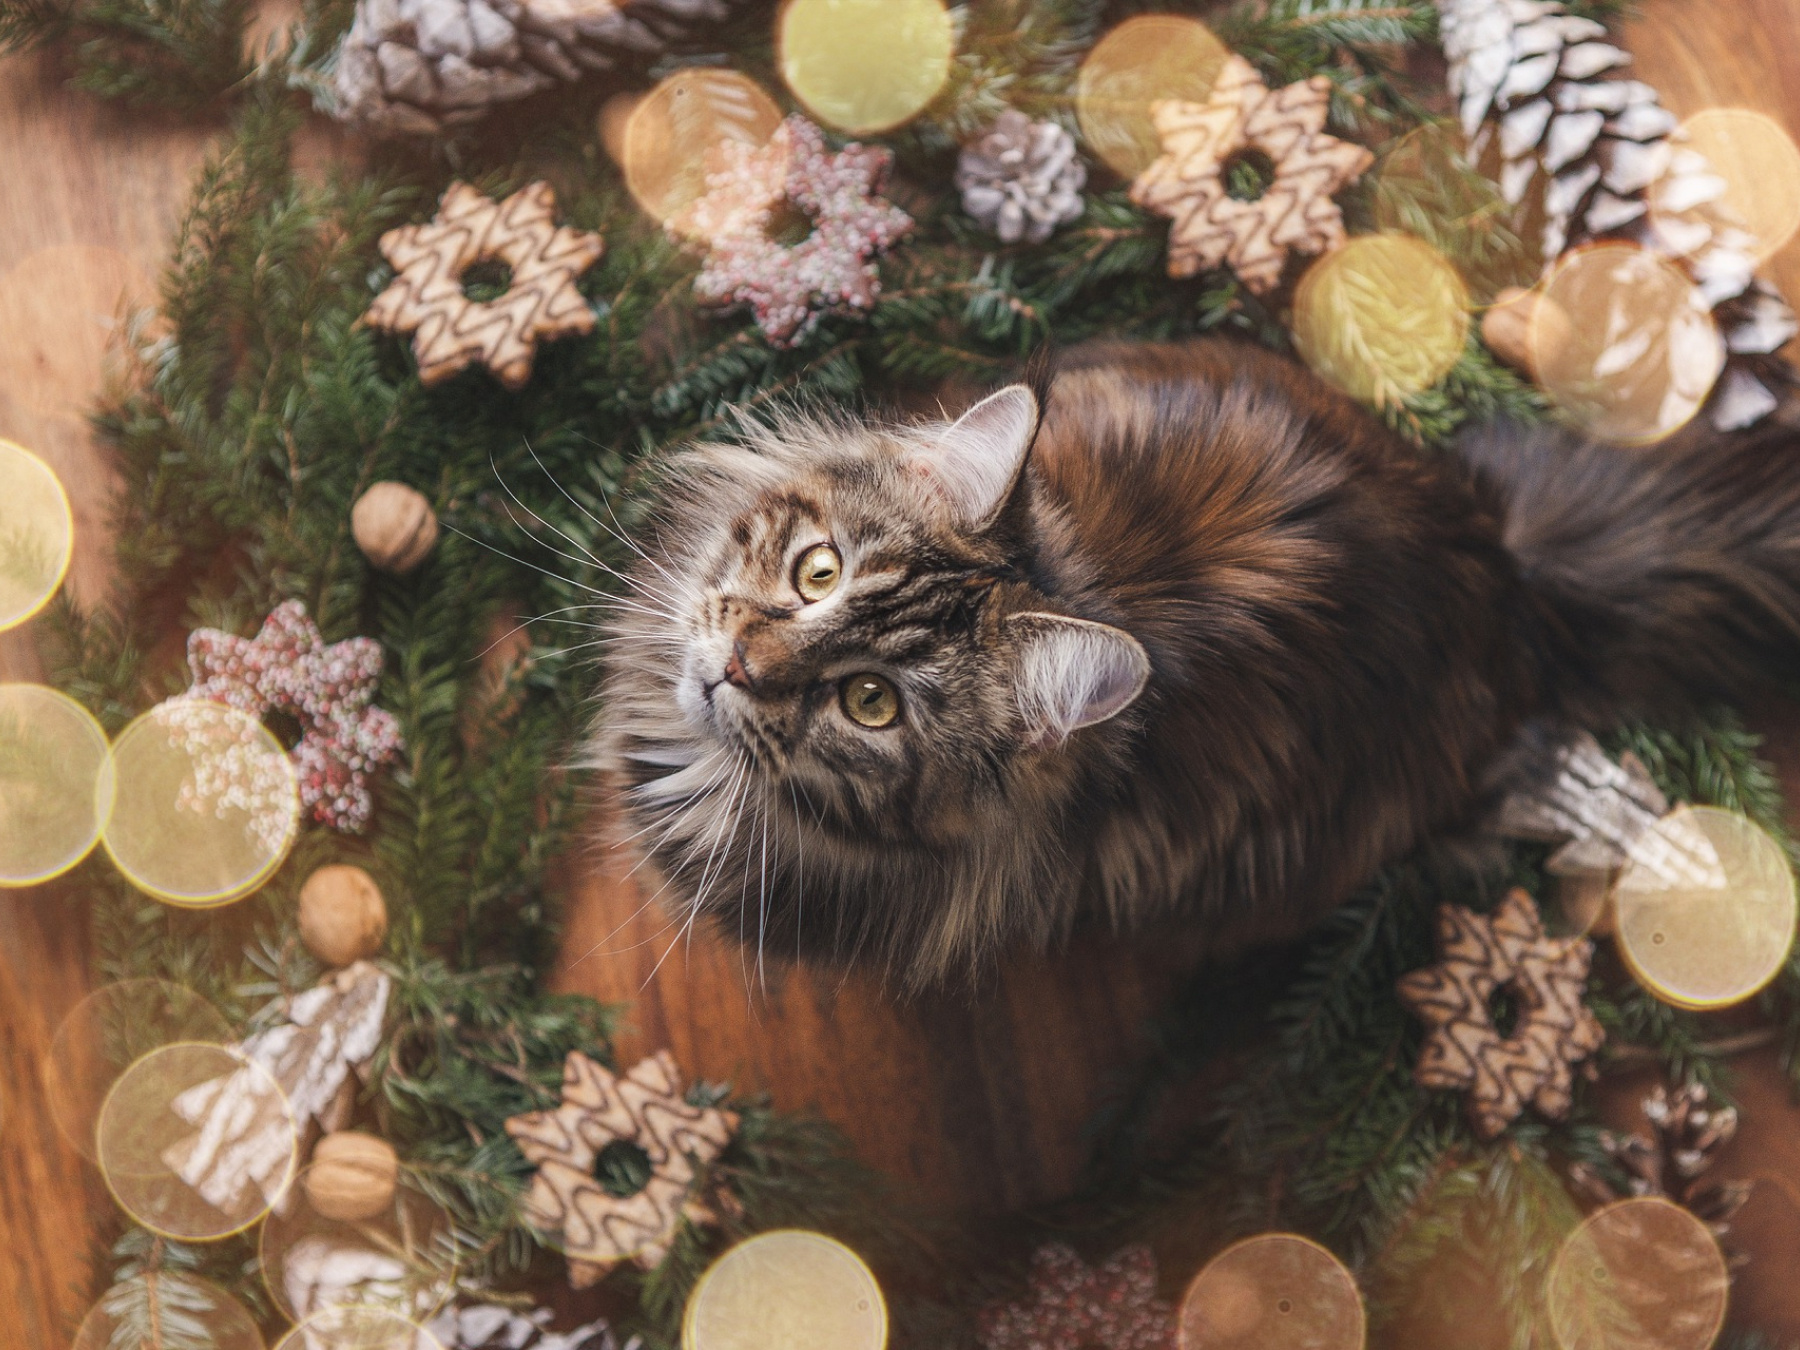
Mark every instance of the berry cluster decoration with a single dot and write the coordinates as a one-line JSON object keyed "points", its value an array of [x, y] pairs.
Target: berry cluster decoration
{"points": [[1070, 1305], [789, 286], [288, 667]]}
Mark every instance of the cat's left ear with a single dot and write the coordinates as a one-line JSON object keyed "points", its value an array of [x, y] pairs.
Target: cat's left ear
{"points": [[978, 458], [1071, 673]]}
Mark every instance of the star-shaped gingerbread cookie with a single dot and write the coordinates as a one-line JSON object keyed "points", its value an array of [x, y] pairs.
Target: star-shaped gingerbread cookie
{"points": [[451, 331], [644, 1107], [1479, 956], [1294, 211]]}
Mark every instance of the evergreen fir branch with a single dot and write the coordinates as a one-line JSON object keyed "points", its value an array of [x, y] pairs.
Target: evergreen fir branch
{"points": [[786, 1171], [1351, 42], [1009, 53], [1712, 762], [1484, 1225], [1347, 22], [26, 24], [1424, 187], [1476, 390], [185, 55]]}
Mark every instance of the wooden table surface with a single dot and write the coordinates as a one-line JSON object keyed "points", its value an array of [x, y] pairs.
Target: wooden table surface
{"points": [[973, 1102]]}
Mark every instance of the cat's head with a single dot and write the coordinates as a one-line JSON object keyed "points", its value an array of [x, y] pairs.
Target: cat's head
{"points": [[836, 651]]}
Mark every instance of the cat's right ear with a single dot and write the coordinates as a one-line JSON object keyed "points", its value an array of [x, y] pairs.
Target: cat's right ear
{"points": [[1071, 673], [976, 461]]}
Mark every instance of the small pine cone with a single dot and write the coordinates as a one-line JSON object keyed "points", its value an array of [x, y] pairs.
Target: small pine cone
{"points": [[1686, 1133], [415, 67], [1021, 179]]}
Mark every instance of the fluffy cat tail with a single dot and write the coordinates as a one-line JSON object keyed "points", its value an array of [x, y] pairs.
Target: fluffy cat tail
{"points": [[1659, 577]]}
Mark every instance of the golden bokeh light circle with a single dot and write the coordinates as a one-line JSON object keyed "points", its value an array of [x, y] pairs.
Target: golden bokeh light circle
{"points": [[1276, 1291], [1760, 165], [37, 534], [789, 1289], [184, 1135], [206, 1313], [104, 1034], [356, 1327], [864, 66], [673, 135], [206, 803], [1643, 352], [55, 783], [1708, 946], [1640, 1274], [401, 1260], [1140, 62], [1384, 316]]}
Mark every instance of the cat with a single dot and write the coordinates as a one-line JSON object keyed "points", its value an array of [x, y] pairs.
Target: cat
{"points": [[1179, 636]]}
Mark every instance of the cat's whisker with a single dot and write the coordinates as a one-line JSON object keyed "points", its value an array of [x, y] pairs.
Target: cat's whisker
{"points": [[549, 616], [762, 902], [588, 557], [554, 576], [588, 560], [743, 913], [686, 931], [679, 811], [507, 488], [617, 534], [591, 643], [629, 919], [716, 857], [715, 833], [799, 870]]}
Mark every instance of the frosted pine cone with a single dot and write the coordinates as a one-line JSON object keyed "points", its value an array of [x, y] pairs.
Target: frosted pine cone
{"points": [[1021, 179], [415, 67], [1548, 83]]}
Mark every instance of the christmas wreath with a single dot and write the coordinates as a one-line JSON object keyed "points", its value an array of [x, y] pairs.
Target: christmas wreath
{"points": [[348, 438]]}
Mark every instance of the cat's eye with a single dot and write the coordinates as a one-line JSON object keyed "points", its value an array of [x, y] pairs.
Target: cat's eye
{"points": [[818, 572], [870, 700]]}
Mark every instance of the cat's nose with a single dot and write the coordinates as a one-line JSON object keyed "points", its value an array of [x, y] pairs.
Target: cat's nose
{"points": [[737, 670]]}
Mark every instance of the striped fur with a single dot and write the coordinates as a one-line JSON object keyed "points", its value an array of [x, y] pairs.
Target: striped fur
{"points": [[1345, 636]]}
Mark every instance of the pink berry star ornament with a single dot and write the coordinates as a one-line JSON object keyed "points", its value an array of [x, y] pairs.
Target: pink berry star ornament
{"points": [[788, 286], [329, 689], [1071, 1306]]}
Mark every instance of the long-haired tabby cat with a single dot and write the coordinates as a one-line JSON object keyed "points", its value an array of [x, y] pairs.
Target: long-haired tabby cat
{"points": [[1201, 643]]}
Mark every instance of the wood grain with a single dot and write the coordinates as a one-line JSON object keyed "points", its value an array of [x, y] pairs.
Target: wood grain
{"points": [[92, 198], [973, 1102]]}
